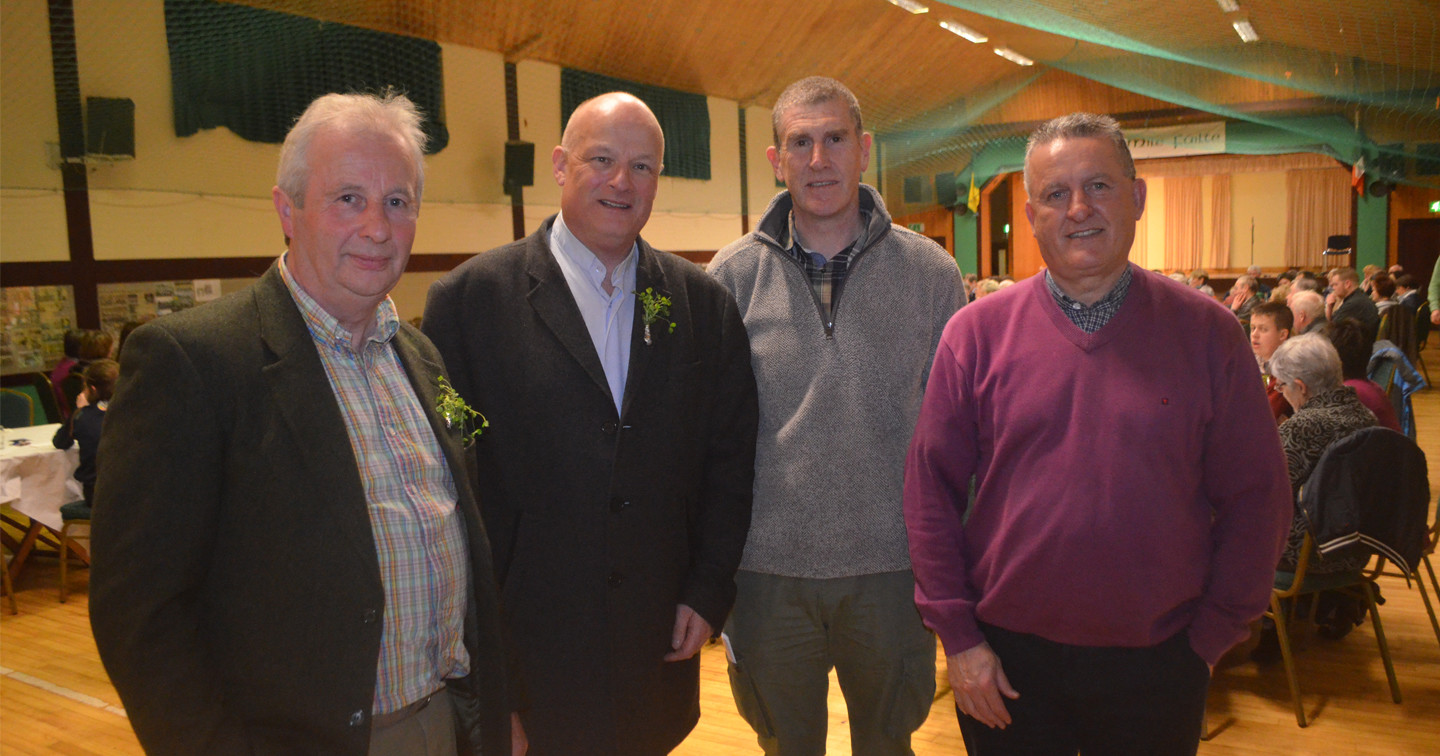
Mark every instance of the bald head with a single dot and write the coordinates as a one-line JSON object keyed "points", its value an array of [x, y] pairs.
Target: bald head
{"points": [[610, 106], [1308, 307], [608, 167]]}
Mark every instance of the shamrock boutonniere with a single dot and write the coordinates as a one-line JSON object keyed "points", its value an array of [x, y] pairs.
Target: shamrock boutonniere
{"points": [[457, 413], [656, 307]]}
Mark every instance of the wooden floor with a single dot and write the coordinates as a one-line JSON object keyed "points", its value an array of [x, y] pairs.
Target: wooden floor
{"points": [[56, 699]]}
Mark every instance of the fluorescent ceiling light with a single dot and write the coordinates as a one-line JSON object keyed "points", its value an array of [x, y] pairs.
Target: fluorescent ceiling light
{"points": [[909, 5], [1246, 31], [964, 31], [1013, 56], [1229, 6]]}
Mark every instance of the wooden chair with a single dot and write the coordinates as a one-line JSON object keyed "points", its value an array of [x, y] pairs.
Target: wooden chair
{"points": [[46, 392], [1300, 584], [16, 409], [8, 585], [74, 529], [1379, 570]]}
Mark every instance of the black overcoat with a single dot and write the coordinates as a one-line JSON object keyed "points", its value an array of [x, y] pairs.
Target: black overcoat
{"points": [[602, 522]]}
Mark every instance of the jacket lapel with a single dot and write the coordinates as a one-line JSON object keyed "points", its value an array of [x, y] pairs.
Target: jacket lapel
{"points": [[550, 296], [307, 405], [422, 374], [648, 274]]}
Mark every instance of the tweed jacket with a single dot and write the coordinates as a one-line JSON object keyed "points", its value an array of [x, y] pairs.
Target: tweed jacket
{"points": [[235, 591]]}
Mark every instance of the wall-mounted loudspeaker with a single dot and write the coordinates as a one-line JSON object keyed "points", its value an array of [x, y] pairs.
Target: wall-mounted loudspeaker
{"points": [[519, 165], [110, 126]]}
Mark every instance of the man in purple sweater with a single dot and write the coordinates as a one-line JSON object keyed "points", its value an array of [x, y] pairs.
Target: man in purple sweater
{"points": [[1130, 494]]}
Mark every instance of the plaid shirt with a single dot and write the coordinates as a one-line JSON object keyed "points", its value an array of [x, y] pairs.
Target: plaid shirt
{"points": [[827, 278], [1091, 318], [411, 500]]}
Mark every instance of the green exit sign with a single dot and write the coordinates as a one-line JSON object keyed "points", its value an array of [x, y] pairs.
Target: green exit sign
{"points": [[1435, 207], [919, 228]]}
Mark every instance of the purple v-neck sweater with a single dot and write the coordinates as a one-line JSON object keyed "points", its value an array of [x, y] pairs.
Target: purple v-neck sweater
{"points": [[1129, 483]]}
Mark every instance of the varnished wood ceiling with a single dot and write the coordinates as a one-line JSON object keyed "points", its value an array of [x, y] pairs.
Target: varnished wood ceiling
{"points": [[909, 73]]}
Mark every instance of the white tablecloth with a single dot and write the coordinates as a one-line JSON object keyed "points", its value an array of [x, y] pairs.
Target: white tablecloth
{"points": [[36, 478]]}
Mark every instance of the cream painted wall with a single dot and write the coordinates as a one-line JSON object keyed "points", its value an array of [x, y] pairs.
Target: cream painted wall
{"points": [[208, 195], [32, 209]]}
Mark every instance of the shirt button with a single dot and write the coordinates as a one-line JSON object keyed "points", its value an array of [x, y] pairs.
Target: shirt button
{"points": [[610, 427], [370, 616], [618, 505], [357, 718], [615, 579]]}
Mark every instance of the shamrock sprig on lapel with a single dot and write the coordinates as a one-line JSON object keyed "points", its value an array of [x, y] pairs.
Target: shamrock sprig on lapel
{"points": [[656, 307], [457, 414]]}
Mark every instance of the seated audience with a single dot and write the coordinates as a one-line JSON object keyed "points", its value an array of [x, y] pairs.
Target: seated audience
{"points": [[1261, 289], [1281, 292], [1306, 281], [1270, 326], [1201, 281], [1243, 298], [1326, 410], [1397, 324], [66, 364], [84, 427], [94, 345], [1308, 308], [1347, 301], [1348, 338], [986, 286], [1407, 293]]}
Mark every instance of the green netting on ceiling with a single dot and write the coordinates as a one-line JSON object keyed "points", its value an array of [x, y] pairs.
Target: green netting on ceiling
{"points": [[1370, 71]]}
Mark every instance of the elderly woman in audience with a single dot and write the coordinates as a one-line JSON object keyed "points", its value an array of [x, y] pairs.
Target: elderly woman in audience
{"points": [[1243, 298], [1347, 335], [1307, 370], [1270, 326]]}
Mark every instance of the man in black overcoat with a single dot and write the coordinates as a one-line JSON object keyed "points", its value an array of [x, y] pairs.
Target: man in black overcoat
{"points": [[615, 475]]}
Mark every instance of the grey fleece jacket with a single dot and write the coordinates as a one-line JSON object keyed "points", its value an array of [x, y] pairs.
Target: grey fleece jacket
{"points": [[836, 411]]}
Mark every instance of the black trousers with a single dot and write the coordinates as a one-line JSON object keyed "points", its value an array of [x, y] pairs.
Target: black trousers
{"points": [[1092, 700]]}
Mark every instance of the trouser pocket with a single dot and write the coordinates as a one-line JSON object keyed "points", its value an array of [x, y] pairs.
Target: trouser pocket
{"points": [[747, 700], [910, 704]]}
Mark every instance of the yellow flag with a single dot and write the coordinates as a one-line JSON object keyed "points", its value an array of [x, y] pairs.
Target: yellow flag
{"points": [[973, 201]]}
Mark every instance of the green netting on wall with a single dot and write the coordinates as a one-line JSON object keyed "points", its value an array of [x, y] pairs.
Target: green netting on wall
{"points": [[684, 117], [254, 71]]}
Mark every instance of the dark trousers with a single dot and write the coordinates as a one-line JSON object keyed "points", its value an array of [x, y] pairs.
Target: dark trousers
{"points": [[1094, 700]]}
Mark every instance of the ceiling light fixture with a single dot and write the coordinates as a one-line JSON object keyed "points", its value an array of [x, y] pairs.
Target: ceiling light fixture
{"points": [[909, 5], [1013, 57], [1246, 31], [964, 31], [1229, 6]]}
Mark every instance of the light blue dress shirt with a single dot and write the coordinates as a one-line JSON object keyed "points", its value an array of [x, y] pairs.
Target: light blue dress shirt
{"points": [[610, 318]]}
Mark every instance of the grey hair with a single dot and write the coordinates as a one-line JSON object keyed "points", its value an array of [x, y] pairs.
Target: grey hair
{"points": [[1247, 281], [1310, 358], [1309, 302], [388, 112], [814, 90], [1080, 126]]}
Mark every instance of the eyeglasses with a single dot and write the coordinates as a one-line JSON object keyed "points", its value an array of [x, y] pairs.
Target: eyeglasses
{"points": [[1279, 385]]}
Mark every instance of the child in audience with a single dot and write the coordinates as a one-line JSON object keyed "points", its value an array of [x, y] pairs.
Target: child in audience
{"points": [[84, 426]]}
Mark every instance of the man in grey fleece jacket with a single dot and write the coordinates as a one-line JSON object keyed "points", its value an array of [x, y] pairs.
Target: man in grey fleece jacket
{"points": [[825, 581]]}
